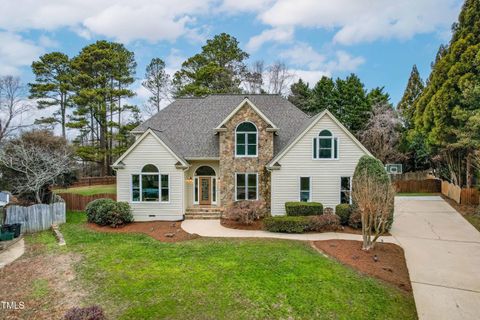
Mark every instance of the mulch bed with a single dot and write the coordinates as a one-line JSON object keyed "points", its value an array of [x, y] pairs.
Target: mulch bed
{"points": [[164, 231], [463, 209], [390, 265]]}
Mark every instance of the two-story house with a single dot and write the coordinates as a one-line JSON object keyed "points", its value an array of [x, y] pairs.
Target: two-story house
{"points": [[198, 155]]}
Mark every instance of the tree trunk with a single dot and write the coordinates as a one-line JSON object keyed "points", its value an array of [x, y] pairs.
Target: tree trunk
{"points": [[37, 197], [63, 111], [469, 174]]}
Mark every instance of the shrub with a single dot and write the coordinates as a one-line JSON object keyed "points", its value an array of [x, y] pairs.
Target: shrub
{"points": [[355, 220], [303, 208], [286, 224], [246, 212], [88, 313], [324, 222], [107, 212], [343, 210]]}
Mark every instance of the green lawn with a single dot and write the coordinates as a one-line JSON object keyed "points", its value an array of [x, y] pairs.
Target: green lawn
{"points": [[136, 277], [417, 194], [90, 190], [474, 220]]}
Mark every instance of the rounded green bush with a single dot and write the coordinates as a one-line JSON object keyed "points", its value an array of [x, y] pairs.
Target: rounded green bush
{"points": [[286, 224], [299, 208], [343, 210], [107, 212]]}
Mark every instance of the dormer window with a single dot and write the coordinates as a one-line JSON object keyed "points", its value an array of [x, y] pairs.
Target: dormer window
{"points": [[246, 140], [325, 146]]}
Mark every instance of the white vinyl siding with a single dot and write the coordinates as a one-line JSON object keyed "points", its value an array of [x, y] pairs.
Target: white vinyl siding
{"points": [[324, 175], [151, 151]]}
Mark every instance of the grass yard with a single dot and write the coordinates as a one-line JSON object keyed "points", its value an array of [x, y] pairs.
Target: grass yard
{"points": [[90, 190], [136, 277], [417, 194]]}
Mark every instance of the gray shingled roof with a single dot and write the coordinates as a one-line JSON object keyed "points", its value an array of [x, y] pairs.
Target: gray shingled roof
{"points": [[189, 124]]}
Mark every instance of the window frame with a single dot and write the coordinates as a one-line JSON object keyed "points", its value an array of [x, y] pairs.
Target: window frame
{"points": [[300, 190], [335, 148], [140, 183], [246, 133], [349, 191], [246, 174]]}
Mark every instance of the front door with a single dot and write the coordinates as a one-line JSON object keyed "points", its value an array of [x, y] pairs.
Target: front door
{"points": [[205, 190]]}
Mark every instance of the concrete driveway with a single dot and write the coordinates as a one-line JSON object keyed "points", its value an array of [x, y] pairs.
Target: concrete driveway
{"points": [[443, 257]]}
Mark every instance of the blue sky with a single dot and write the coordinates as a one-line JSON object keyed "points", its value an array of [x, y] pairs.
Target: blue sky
{"points": [[379, 40]]}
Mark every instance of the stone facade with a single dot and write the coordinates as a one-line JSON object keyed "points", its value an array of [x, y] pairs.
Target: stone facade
{"points": [[229, 164]]}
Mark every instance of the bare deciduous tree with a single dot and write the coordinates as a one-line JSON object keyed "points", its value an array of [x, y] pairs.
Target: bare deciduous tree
{"points": [[382, 135], [374, 201], [278, 78], [254, 78], [35, 166], [12, 105]]}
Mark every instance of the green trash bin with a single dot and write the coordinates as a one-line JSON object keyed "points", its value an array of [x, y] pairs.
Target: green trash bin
{"points": [[6, 236]]}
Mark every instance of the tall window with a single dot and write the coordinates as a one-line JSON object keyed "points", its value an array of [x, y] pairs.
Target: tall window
{"points": [[246, 140], [325, 146], [150, 186], [246, 186], [305, 188], [345, 190]]}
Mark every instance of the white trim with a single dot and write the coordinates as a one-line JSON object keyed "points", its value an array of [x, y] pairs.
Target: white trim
{"points": [[310, 126], [255, 108], [309, 188], [350, 191], [246, 185], [246, 133], [333, 138], [195, 180], [147, 132]]}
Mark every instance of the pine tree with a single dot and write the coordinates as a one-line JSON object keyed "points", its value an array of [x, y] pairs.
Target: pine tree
{"points": [[157, 82], [412, 92], [52, 87], [352, 105], [324, 96], [446, 107], [300, 95], [219, 68]]}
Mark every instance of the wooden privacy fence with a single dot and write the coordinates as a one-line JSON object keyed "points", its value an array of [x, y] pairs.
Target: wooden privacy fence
{"points": [[37, 217], [428, 185], [93, 181], [460, 195], [77, 202]]}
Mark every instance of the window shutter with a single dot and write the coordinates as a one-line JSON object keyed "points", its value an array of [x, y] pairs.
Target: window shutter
{"points": [[314, 147], [335, 148]]}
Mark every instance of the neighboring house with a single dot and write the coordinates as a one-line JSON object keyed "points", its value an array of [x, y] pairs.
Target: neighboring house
{"points": [[4, 198], [198, 155]]}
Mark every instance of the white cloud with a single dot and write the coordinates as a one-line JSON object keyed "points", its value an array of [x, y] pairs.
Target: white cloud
{"points": [[123, 20], [303, 55], [276, 35], [47, 42], [17, 52], [363, 21], [310, 76], [235, 6]]}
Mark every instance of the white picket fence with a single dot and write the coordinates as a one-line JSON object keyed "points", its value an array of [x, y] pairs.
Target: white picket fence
{"points": [[37, 217]]}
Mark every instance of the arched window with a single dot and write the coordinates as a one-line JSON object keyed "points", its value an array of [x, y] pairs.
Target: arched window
{"points": [[150, 185], [246, 140], [325, 146], [205, 171]]}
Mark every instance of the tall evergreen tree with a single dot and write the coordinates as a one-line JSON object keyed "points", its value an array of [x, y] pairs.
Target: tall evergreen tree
{"points": [[52, 87], [102, 74], [444, 107], [324, 95], [157, 82], [412, 92], [300, 95], [352, 105], [219, 68]]}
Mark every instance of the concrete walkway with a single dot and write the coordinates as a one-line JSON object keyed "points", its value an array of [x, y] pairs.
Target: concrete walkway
{"points": [[213, 228], [12, 253], [443, 257]]}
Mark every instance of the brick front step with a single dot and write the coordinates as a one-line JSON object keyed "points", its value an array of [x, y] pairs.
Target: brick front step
{"points": [[189, 216]]}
